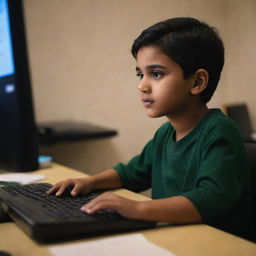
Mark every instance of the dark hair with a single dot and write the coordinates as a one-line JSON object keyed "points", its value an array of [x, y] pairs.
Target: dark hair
{"points": [[191, 44]]}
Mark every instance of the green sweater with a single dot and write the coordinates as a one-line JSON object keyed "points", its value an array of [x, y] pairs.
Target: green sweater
{"points": [[208, 166]]}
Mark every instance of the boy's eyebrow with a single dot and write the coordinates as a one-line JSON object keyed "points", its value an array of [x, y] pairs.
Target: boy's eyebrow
{"points": [[153, 66]]}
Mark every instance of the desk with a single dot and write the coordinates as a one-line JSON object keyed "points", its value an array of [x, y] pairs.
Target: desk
{"points": [[187, 240]]}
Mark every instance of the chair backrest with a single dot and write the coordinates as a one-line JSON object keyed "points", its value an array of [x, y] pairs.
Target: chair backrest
{"points": [[240, 114], [251, 156]]}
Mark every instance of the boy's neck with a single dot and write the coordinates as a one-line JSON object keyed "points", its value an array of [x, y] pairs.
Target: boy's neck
{"points": [[185, 122]]}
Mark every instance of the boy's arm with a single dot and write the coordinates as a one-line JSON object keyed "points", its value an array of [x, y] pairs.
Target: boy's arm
{"points": [[177, 209], [105, 180]]}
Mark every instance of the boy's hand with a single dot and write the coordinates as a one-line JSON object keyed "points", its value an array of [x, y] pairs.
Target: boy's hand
{"points": [[176, 209], [82, 185], [125, 207]]}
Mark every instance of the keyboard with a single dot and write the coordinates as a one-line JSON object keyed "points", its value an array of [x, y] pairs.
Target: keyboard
{"points": [[47, 217]]}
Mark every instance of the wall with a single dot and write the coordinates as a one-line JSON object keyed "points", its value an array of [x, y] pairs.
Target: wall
{"points": [[82, 68], [241, 54]]}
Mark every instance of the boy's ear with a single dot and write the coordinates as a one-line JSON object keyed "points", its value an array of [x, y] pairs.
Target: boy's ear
{"points": [[201, 78]]}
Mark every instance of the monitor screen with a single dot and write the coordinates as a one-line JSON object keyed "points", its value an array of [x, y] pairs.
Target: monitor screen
{"points": [[18, 133]]}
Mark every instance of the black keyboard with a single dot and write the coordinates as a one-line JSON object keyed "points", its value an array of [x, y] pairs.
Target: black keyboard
{"points": [[46, 217], [64, 207]]}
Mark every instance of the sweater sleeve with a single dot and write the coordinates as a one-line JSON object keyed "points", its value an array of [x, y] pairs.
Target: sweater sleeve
{"points": [[136, 174], [222, 176]]}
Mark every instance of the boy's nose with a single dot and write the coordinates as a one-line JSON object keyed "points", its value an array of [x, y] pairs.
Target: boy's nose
{"points": [[144, 86]]}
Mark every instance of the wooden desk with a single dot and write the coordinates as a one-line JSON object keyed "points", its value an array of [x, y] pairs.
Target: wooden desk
{"points": [[181, 240]]}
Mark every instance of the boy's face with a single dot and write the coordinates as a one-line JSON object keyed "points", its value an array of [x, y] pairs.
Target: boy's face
{"points": [[164, 91]]}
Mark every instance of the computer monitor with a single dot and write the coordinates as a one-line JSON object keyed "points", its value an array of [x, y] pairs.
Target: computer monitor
{"points": [[18, 133]]}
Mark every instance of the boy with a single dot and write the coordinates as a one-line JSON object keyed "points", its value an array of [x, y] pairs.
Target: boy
{"points": [[196, 163]]}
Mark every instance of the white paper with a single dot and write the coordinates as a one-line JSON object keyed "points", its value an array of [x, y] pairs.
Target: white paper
{"points": [[122, 245], [22, 178]]}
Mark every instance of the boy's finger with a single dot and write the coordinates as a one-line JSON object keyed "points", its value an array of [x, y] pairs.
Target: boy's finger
{"points": [[61, 190], [76, 190], [96, 204], [91, 208], [53, 189]]}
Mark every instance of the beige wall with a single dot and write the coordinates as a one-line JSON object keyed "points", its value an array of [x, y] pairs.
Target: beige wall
{"points": [[241, 54], [82, 68]]}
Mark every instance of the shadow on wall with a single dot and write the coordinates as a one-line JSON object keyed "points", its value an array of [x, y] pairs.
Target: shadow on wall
{"points": [[91, 156]]}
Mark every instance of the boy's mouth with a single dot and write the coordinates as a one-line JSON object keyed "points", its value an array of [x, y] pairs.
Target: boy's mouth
{"points": [[147, 102]]}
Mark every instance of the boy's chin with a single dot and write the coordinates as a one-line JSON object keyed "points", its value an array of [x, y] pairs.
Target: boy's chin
{"points": [[154, 115]]}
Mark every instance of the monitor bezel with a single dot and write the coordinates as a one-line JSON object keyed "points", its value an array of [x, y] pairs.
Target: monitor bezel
{"points": [[26, 151]]}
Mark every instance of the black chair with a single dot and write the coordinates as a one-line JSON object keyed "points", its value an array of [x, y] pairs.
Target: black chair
{"points": [[240, 114], [251, 156]]}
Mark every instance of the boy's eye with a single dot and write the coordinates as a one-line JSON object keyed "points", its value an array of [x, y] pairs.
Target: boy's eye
{"points": [[140, 75], [157, 74]]}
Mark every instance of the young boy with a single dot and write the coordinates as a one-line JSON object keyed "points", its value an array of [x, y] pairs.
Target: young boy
{"points": [[196, 163]]}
